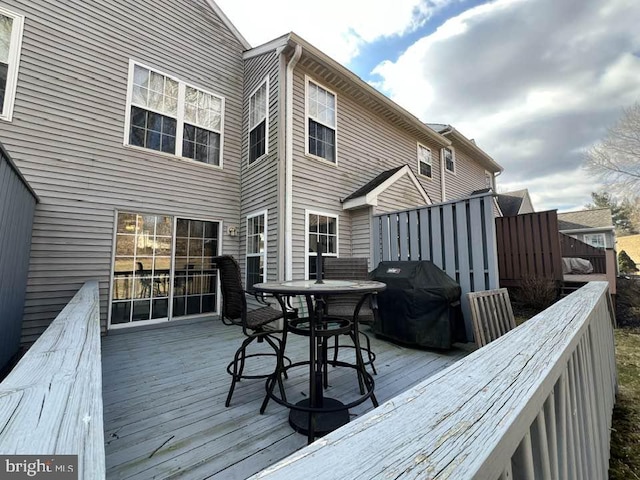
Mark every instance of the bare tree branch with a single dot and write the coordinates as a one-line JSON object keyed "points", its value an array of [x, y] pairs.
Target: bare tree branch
{"points": [[615, 161]]}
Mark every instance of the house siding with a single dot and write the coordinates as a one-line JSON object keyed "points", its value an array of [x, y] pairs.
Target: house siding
{"points": [[609, 237], [402, 195], [366, 146], [361, 233], [469, 175], [67, 133], [260, 179], [17, 205]]}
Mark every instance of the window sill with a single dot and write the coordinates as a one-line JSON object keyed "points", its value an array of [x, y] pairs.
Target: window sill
{"points": [[258, 160], [321, 160], [422, 175], [172, 156], [451, 172]]}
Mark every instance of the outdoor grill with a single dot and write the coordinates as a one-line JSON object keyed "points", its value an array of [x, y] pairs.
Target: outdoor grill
{"points": [[421, 305]]}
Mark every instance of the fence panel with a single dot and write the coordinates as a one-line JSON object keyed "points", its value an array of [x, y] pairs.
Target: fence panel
{"points": [[458, 236], [17, 207], [528, 246]]}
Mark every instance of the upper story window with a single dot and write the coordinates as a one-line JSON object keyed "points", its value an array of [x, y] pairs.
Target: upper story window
{"points": [[10, 42], [424, 161], [256, 269], [449, 159], [168, 115], [321, 122], [258, 122]]}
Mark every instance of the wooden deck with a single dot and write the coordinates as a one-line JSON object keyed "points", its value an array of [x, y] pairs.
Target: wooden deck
{"points": [[164, 392]]}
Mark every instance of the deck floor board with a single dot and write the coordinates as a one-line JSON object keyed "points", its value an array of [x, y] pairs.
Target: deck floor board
{"points": [[164, 391]]}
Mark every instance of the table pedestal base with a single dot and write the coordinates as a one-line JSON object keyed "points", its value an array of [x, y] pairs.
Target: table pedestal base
{"points": [[325, 422]]}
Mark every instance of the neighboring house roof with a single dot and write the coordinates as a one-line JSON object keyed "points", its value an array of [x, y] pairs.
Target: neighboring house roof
{"points": [[586, 220], [348, 81], [368, 194], [482, 190], [448, 131], [511, 203], [631, 245]]}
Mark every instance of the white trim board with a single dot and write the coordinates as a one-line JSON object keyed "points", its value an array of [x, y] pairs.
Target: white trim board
{"points": [[371, 198]]}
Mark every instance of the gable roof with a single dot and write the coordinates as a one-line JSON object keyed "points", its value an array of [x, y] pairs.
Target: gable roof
{"points": [[328, 70], [585, 219], [511, 202], [485, 159], [367, 195], [214, 6]]}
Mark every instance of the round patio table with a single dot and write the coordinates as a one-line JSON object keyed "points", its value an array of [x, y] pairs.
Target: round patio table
{"points": [[318, 415]]}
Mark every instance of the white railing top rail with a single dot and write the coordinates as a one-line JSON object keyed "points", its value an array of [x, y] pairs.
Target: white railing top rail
{"points": [[466, 421], [51, 402]]}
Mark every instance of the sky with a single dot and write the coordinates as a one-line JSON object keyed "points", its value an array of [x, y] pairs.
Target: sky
{"points": [[534, 82]]}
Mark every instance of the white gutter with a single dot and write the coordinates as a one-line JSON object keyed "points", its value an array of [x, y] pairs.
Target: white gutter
{"points": [[288, 193], [443, 186]]}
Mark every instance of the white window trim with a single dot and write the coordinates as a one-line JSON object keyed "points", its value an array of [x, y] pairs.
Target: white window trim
{"points": [[306, 237], [182, 86], [14, 63], [420, 145], [601, 235], [307, 80], [261, 213], [453, 160], [266, 126]]}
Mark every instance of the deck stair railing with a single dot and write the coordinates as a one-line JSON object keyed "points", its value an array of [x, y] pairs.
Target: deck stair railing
{"points": [[534, 404]]}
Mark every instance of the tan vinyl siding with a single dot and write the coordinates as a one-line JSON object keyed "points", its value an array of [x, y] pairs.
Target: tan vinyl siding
{"points": [[402, 195], [260, 179], [68, 129], [366, 146], [469, 176], [527, 206], [361, 233]]}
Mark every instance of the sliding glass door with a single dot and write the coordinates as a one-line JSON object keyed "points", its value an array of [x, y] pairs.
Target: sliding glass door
{"points": [[162, 268]]}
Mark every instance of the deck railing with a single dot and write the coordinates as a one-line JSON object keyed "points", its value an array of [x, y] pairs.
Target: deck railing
{"points": [[536, 403], [51, 402]]}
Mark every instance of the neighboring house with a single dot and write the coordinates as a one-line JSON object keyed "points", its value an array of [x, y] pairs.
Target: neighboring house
{"points": [[631, 245], [594, 227], [515, 203], [157, 138]]}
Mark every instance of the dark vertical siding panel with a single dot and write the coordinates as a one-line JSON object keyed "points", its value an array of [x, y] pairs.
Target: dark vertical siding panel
{"points": [[17, 205]]}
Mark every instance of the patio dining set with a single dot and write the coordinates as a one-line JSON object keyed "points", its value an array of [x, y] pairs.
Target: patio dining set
{"points": [[342, 297]]}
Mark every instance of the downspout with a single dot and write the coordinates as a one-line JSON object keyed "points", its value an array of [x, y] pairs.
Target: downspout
{"points": [[443, 187], [288, 193], [282, 68]]}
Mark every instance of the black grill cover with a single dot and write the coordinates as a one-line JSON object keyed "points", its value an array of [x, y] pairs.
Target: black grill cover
{"points": [[421, 305]]}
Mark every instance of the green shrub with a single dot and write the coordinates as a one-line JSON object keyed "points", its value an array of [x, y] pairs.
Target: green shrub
{"points": [[626, 263]]}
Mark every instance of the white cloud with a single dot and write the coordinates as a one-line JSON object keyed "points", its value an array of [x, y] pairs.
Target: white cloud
{"points": [[338, 27], [534, 81]]}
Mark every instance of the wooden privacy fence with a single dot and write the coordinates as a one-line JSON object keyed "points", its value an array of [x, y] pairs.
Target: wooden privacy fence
{"points": [[528, 246], [535, 403], [571, 247], [457, 236], [51, 402]]}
